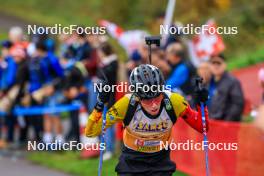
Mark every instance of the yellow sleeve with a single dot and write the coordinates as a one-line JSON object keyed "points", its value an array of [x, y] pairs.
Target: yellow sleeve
{"points": [[179, 103], [115, 114]]}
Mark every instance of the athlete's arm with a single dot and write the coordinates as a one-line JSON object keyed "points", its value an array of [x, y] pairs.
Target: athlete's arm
{"points": [[192, 117], [115, 114]]}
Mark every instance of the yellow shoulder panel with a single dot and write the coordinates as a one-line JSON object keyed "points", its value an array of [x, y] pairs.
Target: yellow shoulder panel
{"points": [[179, 103], [115, 114]]}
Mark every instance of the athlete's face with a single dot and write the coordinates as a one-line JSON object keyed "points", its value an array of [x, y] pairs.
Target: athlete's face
{"points": [[152, 106]]}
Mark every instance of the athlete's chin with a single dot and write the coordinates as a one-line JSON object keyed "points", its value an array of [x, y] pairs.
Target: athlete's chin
{"points": [[154, 112]]}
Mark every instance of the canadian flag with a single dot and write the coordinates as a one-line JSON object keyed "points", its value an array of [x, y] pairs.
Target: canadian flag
{"points": [[206, 44], [129, 40]]}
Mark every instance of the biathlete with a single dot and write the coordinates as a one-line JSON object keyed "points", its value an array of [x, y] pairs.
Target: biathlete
{"points": [[148, 118]]}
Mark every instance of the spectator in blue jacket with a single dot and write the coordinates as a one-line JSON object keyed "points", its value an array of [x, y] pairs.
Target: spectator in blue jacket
{"points": [[180, 77], [7, 78], [53, 75], [8, 68], [46, 75]]}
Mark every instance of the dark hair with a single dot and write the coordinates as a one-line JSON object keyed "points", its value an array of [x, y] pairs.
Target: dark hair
{"points": [[41, 46], [220, 55], [6, 44], [180, 53], [106, 48], [83, 33]]}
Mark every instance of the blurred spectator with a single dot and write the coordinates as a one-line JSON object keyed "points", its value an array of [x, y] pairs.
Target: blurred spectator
{"points": [[74, 89], [69, 46], [109, 66], [53, 73], [46, 40], [8, 68], [7, 80], [84, 48], [13, 76], [6, 45], [259, 121], [21, 77], [139, 56], [226, 97], [44, 79], [16, 36], [92, 61], [91, 65], [158, 59], [181, 73], [261, 81], [204, 72]]}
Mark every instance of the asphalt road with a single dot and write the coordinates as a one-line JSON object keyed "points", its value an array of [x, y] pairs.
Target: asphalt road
{"points": [[15, 165], [7, 21]]}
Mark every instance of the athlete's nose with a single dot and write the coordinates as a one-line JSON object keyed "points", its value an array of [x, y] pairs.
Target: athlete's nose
{"points": [[154, 104]]}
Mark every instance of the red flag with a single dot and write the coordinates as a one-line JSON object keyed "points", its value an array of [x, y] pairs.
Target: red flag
{"points": [[206, 44]]}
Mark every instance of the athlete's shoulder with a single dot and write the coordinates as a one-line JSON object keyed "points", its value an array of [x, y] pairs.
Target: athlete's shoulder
{"points": [[178, 102], [173, 95], [122, 104]]}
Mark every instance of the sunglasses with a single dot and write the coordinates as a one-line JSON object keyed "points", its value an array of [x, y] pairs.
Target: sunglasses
{"points": [[149, 102]]}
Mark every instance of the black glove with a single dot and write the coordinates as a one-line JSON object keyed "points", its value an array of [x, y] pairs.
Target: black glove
{"points": [[201, 95], [103, 96]]}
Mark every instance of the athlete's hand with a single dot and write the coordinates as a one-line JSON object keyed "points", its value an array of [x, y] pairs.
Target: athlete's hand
{"points": [[201, 95], [103, 95]]}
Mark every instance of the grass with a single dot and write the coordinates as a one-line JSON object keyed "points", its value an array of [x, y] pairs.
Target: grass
{"points": [[70, 162]]}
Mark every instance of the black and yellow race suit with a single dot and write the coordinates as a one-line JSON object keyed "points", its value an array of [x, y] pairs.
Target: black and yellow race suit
{"points": [[142, 152]]}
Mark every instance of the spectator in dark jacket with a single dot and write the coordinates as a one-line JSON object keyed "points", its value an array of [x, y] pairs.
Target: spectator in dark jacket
{"points": [[226, 97], [109, 65], [74, 90], [16, 90]]}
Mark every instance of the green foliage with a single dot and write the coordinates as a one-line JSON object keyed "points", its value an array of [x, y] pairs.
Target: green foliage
{"points": [[142, 14], [246, 59]]}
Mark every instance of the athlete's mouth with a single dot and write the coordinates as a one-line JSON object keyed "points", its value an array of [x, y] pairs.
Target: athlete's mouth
{"points": [[154, 110]]}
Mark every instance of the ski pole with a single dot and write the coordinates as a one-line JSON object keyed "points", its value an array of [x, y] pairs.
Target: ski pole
{"points": [[205, 139], [103, 131], [102, 141]]}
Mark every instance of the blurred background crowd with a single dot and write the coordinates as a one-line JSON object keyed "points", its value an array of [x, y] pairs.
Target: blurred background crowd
{"points": [[35, 70]]}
